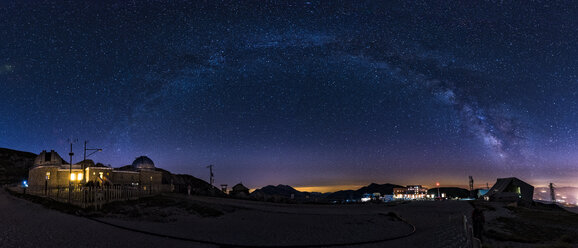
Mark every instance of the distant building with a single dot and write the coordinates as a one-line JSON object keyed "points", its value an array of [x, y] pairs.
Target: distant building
{"points": [[240, 191], [51, 171], [510, 189], [411, 192]]}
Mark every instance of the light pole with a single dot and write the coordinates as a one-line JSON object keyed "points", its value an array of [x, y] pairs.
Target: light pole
{"points": [[95, 150], [70, 173]]}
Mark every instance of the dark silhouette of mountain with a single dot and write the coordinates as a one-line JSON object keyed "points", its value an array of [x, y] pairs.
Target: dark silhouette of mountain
{"points": [[344, 195], [279, 191], [451, 192], [198, 186], [383, 189], [14, 165]]}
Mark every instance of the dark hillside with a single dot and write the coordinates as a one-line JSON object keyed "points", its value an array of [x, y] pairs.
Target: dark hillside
{"points": [[14, 165]]}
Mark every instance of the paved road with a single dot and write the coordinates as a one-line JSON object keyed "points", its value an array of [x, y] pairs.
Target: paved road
{"points": [[438, 224], [25, 224]]}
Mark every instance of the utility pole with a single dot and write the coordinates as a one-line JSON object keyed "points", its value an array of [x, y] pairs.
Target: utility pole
{"points": [[211, 178], [552, 193], [70, 172]]}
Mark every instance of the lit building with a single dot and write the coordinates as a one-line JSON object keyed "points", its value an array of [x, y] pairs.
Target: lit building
{"points": [[51, 171], [412, 192]]}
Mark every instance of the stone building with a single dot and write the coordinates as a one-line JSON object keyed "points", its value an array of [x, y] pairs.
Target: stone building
{"points": [[51, 171]]}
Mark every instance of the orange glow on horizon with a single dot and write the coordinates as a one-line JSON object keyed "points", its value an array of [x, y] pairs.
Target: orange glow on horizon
{"points": [[328, 188]]}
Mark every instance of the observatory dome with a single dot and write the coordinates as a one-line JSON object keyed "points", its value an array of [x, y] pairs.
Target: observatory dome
{"points": [[143, 163]]}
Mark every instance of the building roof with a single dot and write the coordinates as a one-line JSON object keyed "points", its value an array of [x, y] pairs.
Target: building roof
{"points": [[505, 185], [49, 159]]}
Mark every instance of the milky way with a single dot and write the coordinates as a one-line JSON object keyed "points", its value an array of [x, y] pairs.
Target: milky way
{"points": [[306, 93]]}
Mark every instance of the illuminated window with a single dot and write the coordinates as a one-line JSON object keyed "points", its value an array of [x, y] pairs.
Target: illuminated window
{"points": [[101, 175], [72, 176], [79, 177], [48, 175]]}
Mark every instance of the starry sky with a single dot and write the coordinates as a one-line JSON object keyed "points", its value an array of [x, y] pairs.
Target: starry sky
{"points": [[306, 93]]}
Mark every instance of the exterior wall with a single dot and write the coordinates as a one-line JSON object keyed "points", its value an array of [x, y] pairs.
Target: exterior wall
{"points": [[93, 174], [43, 177], [63, 177], [528, 193], [125, 177], [150, 177], [37, 176]]}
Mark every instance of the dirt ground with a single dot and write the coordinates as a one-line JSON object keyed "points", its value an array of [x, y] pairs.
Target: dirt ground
{"points": [[234, 222], [538, 225], [438, 224]]}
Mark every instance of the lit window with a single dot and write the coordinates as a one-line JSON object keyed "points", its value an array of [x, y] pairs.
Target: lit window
{"points": [[72, 177], [101, 175], [48, 175], [79, 177]]}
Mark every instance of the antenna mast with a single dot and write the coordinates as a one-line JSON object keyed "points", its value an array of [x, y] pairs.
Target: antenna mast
{"points": [[212, 176], [70, 169], [552, 193]]}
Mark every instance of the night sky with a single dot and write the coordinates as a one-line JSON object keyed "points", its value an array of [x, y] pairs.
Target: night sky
{"points": [[319, 93]]}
